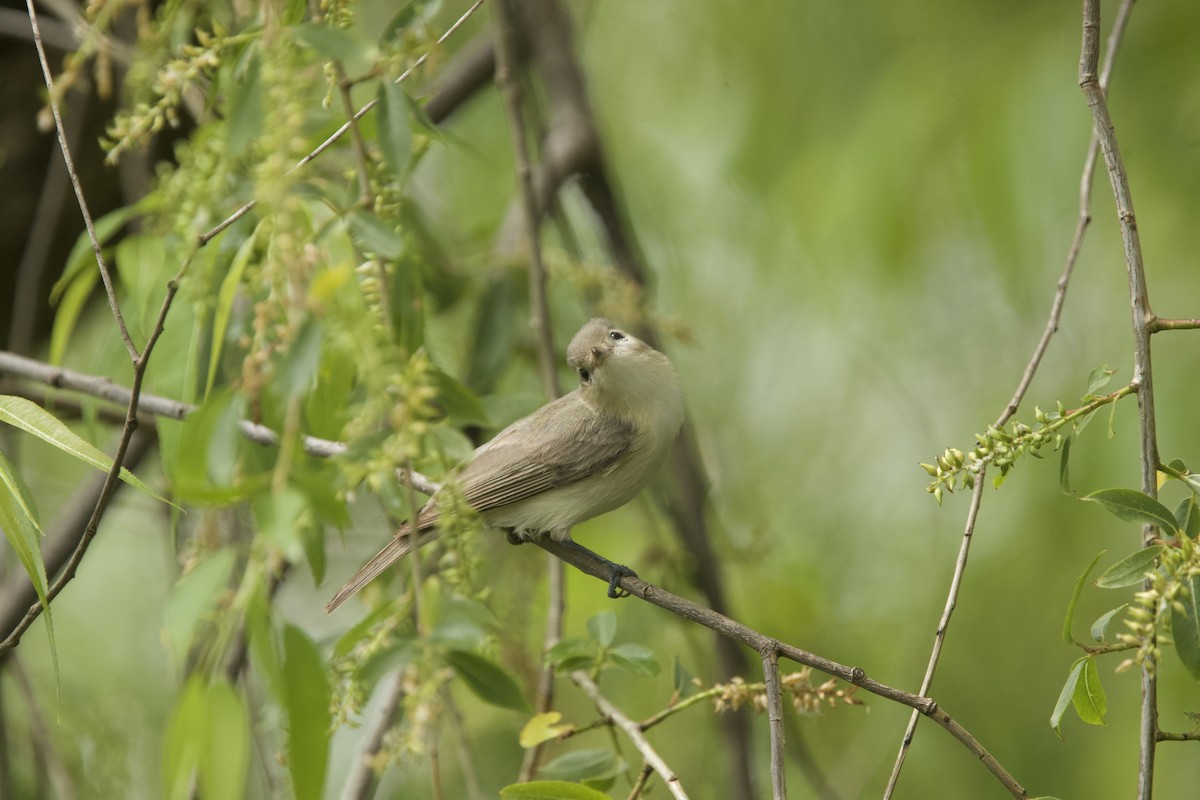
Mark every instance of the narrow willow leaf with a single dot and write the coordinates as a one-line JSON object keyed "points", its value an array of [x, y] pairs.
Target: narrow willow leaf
{"points": [[1134, 506], [1064, 466], [1185, 626], [374, 235], [395, 131], [224, 309], [225, 758], [306, 687], [19, 520], [1130, 570], [551, 790], [487, 680], [1100, 626], [32, 418], [82, 258], [1187, 514], [1064, 697], [70, 307], [193, 598], [1089, 700], [1068, 623], [184, 741]]}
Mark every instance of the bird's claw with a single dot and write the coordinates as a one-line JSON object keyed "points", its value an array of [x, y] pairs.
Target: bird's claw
{"points": [[615, 590]]}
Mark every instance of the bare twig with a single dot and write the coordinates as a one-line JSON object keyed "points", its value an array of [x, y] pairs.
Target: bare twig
{"points": [[159, 406], [1035, 360], [1159, 324], [101, 263], [361, 780], [246, 208], [632, 730], [1142, 316], [770, 662]]}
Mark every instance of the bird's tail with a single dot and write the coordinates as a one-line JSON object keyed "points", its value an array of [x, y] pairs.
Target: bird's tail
{"points": [[403, 542]]}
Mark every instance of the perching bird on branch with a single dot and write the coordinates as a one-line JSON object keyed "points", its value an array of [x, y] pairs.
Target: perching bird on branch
{"points": [[574, 458]]}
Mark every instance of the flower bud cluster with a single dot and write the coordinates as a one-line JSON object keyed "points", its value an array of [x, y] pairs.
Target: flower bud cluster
{"points": [[998, 446]]}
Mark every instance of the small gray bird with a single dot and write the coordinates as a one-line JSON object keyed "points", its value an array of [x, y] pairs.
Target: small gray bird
{"points": [[574, 458]]}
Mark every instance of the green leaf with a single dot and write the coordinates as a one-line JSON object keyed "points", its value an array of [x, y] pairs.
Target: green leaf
{"points": [[338, 45], [395, 130], [1088, 698], [245, 104], [184, 741], [74, 300], [1064, 466], [264, 645], [224, 309], [591, 764], [459, 402], [225, 759], [194, 597], [19, 520], [1064, 697], [32, 418], [82, 258], [487, 680], [635, 658], [1097, 380], [603, 627], [542, 728], [551, 790], [1100, 626], [406, 303], [572, 654], [277, 517], [682, 683], [1130, 570], [1187, 514], [307, 690], [140, 260], [1185, 626], [1134, 506], [1068, 623], [374, 235]]}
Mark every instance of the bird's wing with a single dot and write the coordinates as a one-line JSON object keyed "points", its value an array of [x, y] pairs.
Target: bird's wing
{"points": [[560, 443]]}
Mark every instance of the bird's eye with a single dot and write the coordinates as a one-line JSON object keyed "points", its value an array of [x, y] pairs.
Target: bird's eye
{"points": [[616, 336], [584, 375]]}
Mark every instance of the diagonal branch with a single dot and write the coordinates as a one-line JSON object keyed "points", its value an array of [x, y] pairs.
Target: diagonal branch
{"points": [[633, 731], [105, 275]]}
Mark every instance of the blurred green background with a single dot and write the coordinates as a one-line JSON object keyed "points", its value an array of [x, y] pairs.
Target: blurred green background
{"points": [[859, 211]]}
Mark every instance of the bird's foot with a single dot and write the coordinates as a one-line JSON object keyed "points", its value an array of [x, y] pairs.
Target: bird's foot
{"points": [[615, 590]]}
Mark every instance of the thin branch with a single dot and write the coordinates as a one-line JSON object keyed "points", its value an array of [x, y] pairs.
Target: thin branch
{"points": [[60, 131], [1086, 180], [362, 777], [1142, 317], [1167, 736], [593, 565], [633, 731], [510, 89], [1159, 324], [640, 785], [770, 663], [246, 208], [105, 389]]}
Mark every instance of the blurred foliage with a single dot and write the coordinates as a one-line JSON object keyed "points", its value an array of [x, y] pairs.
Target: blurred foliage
{"points": [[856, 212]]}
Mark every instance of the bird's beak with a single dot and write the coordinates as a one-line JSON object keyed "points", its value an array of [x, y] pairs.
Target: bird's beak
{"points": [[600, 353]]}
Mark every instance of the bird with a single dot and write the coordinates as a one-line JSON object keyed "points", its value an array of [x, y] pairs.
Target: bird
{"points": [[586, 453]]}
